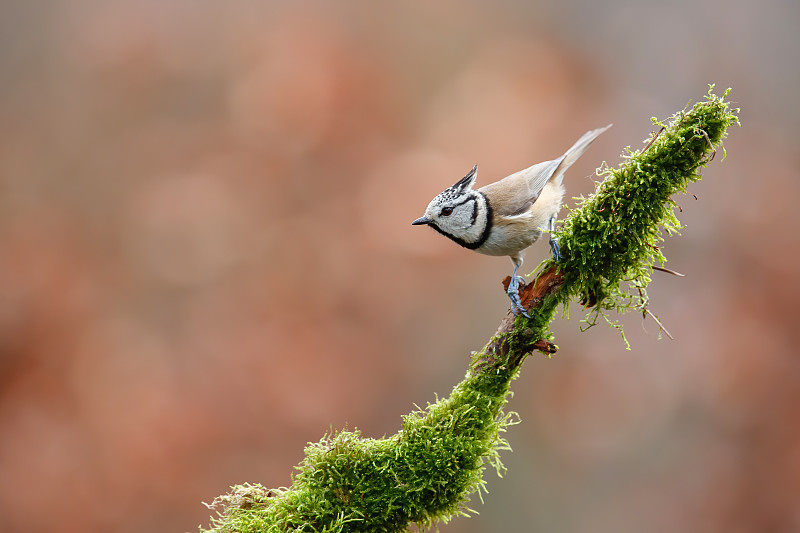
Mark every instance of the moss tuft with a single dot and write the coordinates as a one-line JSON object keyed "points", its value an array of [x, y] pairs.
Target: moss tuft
{"points": [[423, 474], [611, 240]]}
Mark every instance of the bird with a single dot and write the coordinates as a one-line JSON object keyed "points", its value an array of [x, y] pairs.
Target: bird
{"points": [[504, 218]]}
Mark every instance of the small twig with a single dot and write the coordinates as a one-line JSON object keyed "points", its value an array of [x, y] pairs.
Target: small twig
{"points": [[545, 346], [676, 204], [713, 150], [660, 325], [653, 139], [668, 271]]}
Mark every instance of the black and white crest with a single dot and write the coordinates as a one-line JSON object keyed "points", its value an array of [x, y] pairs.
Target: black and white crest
{"points": [[461, 186]]}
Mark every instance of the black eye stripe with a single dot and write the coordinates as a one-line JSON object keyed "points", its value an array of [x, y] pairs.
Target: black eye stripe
{"points": [[462, 202], [447, 211]]}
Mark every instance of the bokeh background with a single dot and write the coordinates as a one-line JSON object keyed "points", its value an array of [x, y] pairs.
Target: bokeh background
{"points": [[206, 258]]}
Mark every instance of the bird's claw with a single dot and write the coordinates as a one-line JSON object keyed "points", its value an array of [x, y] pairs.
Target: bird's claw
{"points": [[513, 294]]}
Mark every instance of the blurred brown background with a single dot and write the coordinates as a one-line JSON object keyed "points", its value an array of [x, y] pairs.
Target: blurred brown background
{"points": [[207, 259]]}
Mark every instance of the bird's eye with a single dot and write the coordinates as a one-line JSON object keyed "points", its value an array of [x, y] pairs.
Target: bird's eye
{"points": [[447, 211]]}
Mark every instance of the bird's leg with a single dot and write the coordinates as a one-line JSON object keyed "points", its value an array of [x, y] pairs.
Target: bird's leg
{"points": [[513, 290], [551, 225]]}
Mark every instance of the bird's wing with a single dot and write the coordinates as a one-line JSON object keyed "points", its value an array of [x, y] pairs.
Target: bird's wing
{"points": [[515, 194]]}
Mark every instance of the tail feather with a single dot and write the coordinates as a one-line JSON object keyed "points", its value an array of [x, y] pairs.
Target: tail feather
{"points": [[577, 149]]}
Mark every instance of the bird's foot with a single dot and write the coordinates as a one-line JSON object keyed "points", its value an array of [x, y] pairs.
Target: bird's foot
{"points": [[556, 250], [513, 294]]}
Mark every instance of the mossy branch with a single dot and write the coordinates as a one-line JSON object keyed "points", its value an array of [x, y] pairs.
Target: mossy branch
{"points": [[429, 470]]}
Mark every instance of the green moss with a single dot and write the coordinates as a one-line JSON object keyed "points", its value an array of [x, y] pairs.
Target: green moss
{"points": [[424, 473], [611, 240], [430, 469]]}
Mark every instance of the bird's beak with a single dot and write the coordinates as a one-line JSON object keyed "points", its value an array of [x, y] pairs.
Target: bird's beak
{"points": [[420, 221]]}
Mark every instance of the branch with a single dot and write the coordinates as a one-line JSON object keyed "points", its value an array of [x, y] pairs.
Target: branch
{"points": [[427, 472]]}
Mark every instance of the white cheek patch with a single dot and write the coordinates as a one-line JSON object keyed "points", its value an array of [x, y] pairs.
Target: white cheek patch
{"points": [[463, 216], [468, 224]]}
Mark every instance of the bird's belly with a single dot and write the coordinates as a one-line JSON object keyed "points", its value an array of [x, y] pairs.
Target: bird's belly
{"points": [[509, 239]]}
